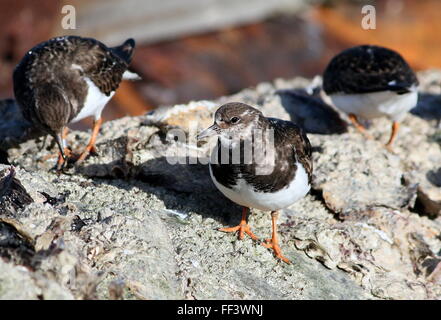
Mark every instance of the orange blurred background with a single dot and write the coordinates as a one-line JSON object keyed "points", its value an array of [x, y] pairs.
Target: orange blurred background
{"points": [[211, 64]]}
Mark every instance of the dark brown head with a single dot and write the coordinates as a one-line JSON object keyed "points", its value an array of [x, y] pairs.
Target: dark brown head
{"points": [[234, 120]]}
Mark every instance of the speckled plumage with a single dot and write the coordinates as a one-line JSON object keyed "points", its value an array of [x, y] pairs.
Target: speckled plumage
{"points": [[49, 82], [292, 145], [368, 68], [67, 79]]}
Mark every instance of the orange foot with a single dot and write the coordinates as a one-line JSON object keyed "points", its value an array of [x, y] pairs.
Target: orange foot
{"points": [[90, 149], [390, 148], [242, 228], [273, 244], [359, 126]]}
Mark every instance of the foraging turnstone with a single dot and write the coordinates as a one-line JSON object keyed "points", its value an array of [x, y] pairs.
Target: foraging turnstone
{"points": [[258, 162], [370, 81], [67, 79]]}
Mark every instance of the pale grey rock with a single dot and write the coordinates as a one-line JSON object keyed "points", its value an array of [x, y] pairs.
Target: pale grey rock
{"points": [[16, 283], [359, 176], [131, 224]]}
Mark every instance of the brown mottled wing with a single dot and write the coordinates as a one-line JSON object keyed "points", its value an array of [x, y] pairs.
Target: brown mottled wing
{"points": [[39, 84], [302, 151], [99, 63], [294, 136]]}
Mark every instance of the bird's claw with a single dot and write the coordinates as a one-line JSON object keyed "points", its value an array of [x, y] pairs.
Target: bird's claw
{"points": [[243, 229], [90, 150], [272, 244]]}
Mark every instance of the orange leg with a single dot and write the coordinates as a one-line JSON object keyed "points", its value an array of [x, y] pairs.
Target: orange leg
{"points": [[359, 126], [395, 128], [90, 148], [273, 243], [243, 227]]}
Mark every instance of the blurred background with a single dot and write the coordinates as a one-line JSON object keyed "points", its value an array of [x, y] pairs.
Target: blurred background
{"points": [[202, 49]]}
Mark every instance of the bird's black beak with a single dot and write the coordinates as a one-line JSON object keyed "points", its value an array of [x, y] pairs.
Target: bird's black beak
{"points": [[209, 132]]}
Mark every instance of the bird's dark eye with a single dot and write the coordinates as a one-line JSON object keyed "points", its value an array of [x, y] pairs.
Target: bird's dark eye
{"points": [[234, 120]]}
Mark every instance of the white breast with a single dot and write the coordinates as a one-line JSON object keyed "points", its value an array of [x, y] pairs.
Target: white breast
{"points": [[94, 103], [245, 195], [376, 104]]}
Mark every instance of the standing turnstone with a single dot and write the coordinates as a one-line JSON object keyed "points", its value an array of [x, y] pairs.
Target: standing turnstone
{"points": [[258, 162], [370, 82], [67, 79]]}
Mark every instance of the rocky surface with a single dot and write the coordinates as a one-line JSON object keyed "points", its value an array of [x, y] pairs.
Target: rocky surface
{"points": [[140, 220]]}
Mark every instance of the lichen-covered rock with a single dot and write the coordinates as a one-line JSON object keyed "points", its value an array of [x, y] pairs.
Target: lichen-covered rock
{"points": [[140, 220]]}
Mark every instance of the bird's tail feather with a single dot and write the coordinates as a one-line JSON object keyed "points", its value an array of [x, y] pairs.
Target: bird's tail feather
{"points": [[125, 51]]}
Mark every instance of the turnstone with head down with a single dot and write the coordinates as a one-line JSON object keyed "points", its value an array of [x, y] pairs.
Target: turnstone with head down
{"points": [[67, 79], [370, 81]]}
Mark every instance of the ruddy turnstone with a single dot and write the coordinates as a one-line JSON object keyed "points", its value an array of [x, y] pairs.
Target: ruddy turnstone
{"points": [[67, 79], [258, 162], [369, 82]]}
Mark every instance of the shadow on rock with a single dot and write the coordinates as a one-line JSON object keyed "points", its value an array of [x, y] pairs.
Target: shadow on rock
{"points": [[187, 183], [434, 176], [14, 129], [428, 107], [311, 112]]}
